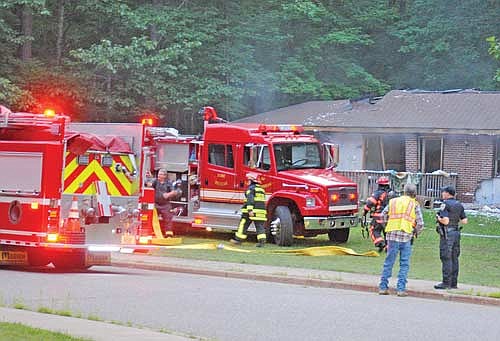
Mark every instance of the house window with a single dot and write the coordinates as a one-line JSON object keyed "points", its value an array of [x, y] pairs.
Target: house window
{"points": [[221, 155], [431, 154], [384, 153]]}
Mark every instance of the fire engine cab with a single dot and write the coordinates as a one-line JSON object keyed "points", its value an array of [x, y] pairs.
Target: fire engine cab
{"points": [[305, 196]]}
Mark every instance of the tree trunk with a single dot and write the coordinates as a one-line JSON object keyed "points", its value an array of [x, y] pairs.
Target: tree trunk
{"points": [[109, 99], [153, 31], [60, 30], [27, 31], [149, 101]]}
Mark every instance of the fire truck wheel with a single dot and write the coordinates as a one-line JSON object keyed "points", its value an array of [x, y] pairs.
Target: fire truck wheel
{"points": [[68, 261], [284, 229], [339, 235]]}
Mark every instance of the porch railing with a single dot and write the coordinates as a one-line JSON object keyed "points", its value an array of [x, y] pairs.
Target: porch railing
{"points": [[428, 184]]}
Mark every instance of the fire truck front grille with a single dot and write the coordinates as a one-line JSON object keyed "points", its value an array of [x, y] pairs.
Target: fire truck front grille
{"points": [[342, 196]]}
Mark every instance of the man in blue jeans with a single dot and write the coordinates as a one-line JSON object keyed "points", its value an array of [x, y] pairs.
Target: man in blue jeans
{"points": [[404, 221]]}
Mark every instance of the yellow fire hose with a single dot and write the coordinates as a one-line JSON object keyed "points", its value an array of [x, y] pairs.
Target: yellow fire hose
{"points": [[160, 239], [316, 251]]}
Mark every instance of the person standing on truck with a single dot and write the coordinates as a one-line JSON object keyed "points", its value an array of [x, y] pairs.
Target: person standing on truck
{"points": [[253, 210], [404, 222], [375, 204], [164, 193], [451, 213]]}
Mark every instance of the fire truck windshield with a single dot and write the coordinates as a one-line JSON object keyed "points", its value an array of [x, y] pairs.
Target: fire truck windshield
{"points": [[297, 155]]}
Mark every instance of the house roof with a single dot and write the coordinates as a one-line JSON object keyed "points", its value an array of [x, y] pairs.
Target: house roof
{"points": [[299, 113], [454, 111]]}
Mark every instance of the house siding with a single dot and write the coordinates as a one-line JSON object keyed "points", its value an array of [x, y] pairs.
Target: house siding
{"points": [[471, 157], [351, 148]]}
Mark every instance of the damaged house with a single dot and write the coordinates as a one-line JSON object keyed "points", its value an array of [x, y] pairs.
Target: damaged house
{"points": [[450, 132]]}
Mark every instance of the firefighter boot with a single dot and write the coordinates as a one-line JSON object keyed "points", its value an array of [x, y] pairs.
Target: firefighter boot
{"points": [[261, 243], [381, 246], [234, 241]]}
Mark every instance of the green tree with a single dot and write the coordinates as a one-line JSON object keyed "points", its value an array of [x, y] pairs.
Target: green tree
{"points": [[494, 50], [440, 45]]}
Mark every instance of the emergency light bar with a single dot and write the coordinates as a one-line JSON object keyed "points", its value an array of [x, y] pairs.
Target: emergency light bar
{"points": [[147, 122], [280, 128]]}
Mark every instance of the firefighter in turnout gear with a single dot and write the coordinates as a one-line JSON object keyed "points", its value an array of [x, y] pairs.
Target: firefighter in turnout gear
{"points": [[253, 210], [375, 204]]}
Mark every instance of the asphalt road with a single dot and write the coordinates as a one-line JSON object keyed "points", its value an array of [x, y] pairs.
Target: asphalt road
{"points": [[230, 309]]}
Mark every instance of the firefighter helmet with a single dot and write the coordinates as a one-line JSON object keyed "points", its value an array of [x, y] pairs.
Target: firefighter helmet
{"points": [[252, 176], [383, 180]]}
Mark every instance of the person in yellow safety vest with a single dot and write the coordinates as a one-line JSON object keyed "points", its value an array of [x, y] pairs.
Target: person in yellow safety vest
{"points": [[404, 222], [253, 210]]}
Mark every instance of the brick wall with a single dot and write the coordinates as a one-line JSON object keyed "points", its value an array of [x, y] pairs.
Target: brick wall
{"points": [[411, 158], [471, 157]]}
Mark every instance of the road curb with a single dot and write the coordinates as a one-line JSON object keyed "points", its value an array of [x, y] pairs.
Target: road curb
{"points": [[313, 282]]}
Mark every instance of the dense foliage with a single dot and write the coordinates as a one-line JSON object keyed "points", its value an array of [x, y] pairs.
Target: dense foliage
{"points": [[110, 60]]}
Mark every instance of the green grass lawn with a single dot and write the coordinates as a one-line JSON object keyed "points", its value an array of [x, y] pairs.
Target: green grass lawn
{"points": [[479, 260], [17, 331]]}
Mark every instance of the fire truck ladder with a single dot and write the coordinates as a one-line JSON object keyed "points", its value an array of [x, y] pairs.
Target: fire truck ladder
{"points": [[21, 119]]}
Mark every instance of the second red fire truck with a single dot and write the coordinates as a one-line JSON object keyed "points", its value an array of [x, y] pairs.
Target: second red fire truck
{"points": [[305, 196]]}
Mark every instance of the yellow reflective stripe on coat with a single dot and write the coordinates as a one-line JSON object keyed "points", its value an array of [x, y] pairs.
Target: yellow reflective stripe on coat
{"points": [[259, 204]]}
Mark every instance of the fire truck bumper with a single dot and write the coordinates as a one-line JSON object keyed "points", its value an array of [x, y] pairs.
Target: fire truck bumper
{"points": [[330, 223]]}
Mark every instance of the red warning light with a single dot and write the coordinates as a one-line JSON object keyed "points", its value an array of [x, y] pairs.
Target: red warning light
{"points": [[149, 119], [49, 113]]}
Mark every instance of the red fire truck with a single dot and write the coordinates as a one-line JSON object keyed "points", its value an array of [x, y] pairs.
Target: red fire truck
{"points": [[69, 192], [305, 196], [37, 226]]}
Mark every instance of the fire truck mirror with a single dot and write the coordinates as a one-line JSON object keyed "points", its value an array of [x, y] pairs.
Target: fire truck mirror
{"points": [[15, 212]]}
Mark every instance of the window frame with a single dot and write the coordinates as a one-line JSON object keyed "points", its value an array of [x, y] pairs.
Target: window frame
{"points": [[256, 149], [422, 151], [228, 155]]}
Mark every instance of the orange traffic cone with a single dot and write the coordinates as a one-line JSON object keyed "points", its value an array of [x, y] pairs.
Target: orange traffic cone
{"points": [[73, 224]]}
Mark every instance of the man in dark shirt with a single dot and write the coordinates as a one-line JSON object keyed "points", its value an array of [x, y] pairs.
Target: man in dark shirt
{"points": [[164, 193], [450, 215]]}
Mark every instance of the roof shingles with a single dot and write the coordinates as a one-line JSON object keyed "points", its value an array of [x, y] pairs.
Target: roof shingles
{"points": [[461, 110]]}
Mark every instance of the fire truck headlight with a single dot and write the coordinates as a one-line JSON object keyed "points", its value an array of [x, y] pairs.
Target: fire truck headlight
{"points": [[310, 202]]}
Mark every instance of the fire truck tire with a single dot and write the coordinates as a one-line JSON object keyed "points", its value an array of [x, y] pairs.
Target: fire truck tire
{"points": [[284, 233], [68, 261], [339, 235]]}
